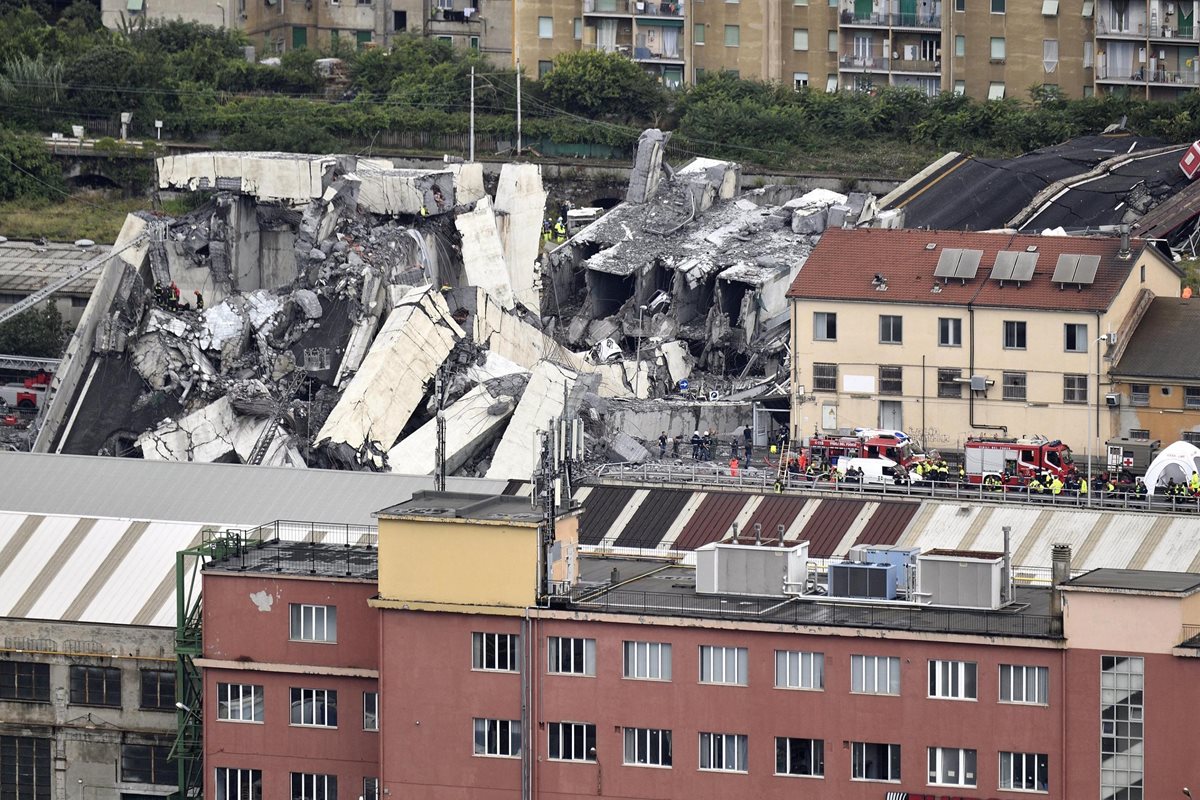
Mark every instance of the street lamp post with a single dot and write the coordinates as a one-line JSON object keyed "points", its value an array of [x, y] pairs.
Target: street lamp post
{"points": [[637, 364], [1091, 488], [218, 5]]}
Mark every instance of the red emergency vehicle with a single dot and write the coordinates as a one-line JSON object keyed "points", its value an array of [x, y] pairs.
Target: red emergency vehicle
{"points": [[865, 443], [1022, 457]]}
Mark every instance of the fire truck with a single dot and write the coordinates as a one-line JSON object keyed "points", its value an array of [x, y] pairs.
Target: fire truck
{"points": [[865, 443], [1022, 457], [27, 394]]}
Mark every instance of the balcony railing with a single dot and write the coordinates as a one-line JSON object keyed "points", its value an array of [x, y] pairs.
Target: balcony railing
{"points": [[916, 65], [883, 19], [1163, 77], [643, 8], [859, 63]]}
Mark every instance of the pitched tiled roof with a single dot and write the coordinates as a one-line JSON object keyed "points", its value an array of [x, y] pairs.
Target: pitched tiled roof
{"points": [[844, 263], [1164, 344]]}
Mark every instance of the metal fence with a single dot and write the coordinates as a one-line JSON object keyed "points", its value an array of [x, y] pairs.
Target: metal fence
{"points": [[806, 612], [708, 474], [302, 548]]}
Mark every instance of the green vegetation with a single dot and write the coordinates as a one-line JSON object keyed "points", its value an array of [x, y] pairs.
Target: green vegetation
{"points": [[37, 333], [84, 215]]}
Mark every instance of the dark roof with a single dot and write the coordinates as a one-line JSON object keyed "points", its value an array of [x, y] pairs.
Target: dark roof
{"points": [[888, 522], [656, 514], [1138, 580], [602, 506], [844, 263], [970, 193], [301, 558], [950, 552], [1163, 345], [462, 505], [712, 521], [828, 525]]}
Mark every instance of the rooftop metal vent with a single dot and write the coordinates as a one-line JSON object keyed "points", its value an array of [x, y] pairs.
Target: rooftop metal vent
{"points": [[931, 246]]}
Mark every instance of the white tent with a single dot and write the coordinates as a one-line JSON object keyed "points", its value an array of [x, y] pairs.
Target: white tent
{"points": [[1177, 461]]}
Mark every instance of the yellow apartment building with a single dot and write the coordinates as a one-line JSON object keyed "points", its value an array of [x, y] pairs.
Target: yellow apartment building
{"points": [[948, 335]]}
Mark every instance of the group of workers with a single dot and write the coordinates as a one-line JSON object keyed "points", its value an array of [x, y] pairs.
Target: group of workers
{"points": [[167, 297], [554, 232]]}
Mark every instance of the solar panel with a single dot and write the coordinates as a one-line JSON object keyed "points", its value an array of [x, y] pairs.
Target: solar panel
{"points": [[1026, 263], [1006, 262], [1086, 271], [1064, 270], [947, 263], [968, 264]]}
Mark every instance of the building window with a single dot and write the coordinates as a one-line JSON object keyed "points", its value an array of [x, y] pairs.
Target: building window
{"points": [[27, 681], [997, 48], [1029, 772], [572, 741], [370, 789], [870, 761], [960, 5], [314, 707], [997, 6], [799, 80], [953, 680], [733, 36], [370, 711], [650, 661], [1122, 682], [25, 768], [498, 737], [496, 652], [1191, 397], [951, 766], [1139, 394], [949, 332], [1191, 437], [1050, 54], [960, 88], [1075, 388], [544, 68], [576, 31], [647, 747], [96, 686], [473, 41], [891, 329], [875, 674], [545, 27], [949, 384], [1021, 684], [1075, 338], [799, 38], [239, 784], [723, 752], [571, 656], [795, 669], [960, 45], [1139, 433], [832, 46], [307, 786], [147, 763], [891, 380], [698, 33], [158, 689], [824, 326], [1014, 386], [799, 757], [313, 623], [996, 90], [239, 702], [825, 377], [1014, 335], [724, 664]]}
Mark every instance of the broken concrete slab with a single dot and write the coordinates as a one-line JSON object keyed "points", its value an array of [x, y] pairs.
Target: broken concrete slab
{"points": [[471, 422], [678, 360], [647, 166], [468, 182], [266, 176], [623, 448], [205, 435], [381, 397], [520, 206], [483, 253], [390, 191], [516, 455]]}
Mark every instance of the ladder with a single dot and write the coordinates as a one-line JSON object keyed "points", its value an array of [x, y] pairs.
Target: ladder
{"points": [[268, 434], [74, 275], [785, 456]]}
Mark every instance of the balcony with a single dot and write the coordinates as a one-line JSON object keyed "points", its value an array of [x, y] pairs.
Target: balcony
{"points": [[857, 62], [894, 19], [916, 66], [626, 8], [1156, 77], [454, 22]]}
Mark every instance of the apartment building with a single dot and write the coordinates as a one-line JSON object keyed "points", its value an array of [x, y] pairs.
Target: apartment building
{"points": [[956, 334], [650, 677]]}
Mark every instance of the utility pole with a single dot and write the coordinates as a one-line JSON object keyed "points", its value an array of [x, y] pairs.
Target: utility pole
{"points": [[545, 480], [439, 473], [518, 106], [471, 157]]}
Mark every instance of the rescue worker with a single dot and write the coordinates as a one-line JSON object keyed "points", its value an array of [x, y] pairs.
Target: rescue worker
{"points": [[199, 300], [560, 230], [1194, 483], [706, 451], [1139, 488], [675, 443], [733, 466], [158, 293], [547, 229], [696, 446], [1056, 486], [174, 293], [1083, 486], [1035, 485], [662, 445]]}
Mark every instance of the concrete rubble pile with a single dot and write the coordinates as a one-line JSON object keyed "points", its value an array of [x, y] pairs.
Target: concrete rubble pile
{"points": [[317, 311]]}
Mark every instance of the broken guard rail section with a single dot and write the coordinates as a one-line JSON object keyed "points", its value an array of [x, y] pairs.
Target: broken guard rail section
{"points": [[754, 478]]}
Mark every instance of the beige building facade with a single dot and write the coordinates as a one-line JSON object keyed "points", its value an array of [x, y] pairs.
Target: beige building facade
{"points": [[947, 359]]}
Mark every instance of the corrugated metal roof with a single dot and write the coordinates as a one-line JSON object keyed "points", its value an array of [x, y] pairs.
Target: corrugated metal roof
{"points": [[26, 267], [602, 507], [214, 494], [773, 512], [712, 520], [653, 518], [887, 523], [828, 525]]}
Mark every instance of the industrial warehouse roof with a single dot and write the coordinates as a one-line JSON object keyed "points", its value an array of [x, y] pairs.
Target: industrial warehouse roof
{"points": [[628, 519], [92, 539], [214, 494], [845, 262], [26, 267], [1163, 345]]}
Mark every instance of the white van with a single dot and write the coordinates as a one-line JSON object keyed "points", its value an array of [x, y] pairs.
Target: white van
{"points": [[878, 471]]}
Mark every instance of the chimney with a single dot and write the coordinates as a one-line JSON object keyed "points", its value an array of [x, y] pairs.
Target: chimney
{"points": [[1123, 253], [1006, 579], [1060, 573], [758, 533]]}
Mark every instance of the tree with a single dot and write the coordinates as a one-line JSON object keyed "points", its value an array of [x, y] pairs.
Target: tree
{"points": [[598, 84], [27, 170], [37, 333]]}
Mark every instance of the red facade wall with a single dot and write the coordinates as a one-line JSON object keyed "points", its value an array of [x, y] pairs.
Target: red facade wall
{"points": [[236, 630], [429, 732]]}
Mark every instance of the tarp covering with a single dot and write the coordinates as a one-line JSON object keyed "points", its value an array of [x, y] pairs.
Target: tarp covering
{"points": [[1177, 462]]}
